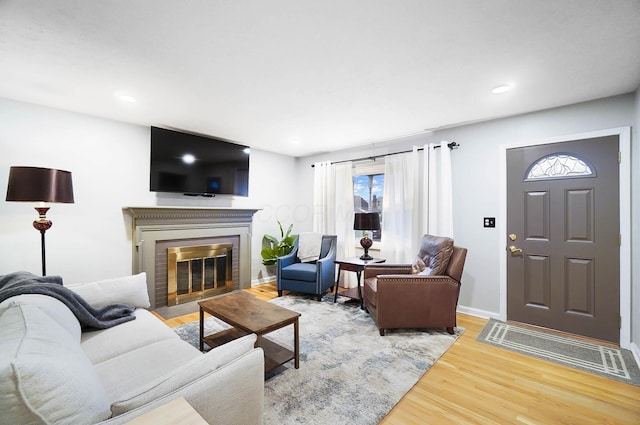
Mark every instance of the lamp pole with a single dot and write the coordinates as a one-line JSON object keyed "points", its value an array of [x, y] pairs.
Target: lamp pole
{"points": [[42, 224]]}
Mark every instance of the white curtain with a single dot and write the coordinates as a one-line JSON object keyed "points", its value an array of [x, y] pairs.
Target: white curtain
{"points": [[399, 207], [439, 194], [417, 200], [333, 209], [323, 198], [344, 218]]}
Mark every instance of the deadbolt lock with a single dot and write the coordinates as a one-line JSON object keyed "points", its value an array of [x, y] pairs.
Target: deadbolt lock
{"points": [[513, 237]]}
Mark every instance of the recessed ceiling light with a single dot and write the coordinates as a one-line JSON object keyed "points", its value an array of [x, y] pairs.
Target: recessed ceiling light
{"points": [[187, 158], [502, 89], [125, 97]]}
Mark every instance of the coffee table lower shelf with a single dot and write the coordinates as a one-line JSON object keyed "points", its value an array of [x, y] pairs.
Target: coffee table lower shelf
{"points": [[274, 354]]}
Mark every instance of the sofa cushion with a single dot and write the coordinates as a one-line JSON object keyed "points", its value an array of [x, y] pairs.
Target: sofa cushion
{"points": [[130, 290], [53, 307], [45, 377], [436, 252], [137, 368], [186, 373], [108, 343]]}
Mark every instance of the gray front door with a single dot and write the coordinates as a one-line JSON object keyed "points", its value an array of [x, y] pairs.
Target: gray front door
{"points": [[563, 237]]}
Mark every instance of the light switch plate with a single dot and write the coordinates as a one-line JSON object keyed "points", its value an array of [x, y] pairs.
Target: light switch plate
{"points": [[489, 222]]}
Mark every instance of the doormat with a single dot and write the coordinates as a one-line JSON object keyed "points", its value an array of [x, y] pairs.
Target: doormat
{"points": [[603, 360]]}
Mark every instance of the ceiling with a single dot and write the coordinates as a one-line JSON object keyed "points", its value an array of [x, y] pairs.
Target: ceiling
{"points": [[300, 77]]}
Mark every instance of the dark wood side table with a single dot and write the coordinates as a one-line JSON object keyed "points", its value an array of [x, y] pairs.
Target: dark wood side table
{"points": [[353, 264]]}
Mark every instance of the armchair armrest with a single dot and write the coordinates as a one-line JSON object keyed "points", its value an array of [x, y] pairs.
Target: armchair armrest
{"points": [[326, 266], [287, 260], [374, 270], [416, 301], [408, 288]]}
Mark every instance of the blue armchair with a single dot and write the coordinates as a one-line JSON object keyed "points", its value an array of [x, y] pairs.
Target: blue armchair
{"points": [[309, 278]]}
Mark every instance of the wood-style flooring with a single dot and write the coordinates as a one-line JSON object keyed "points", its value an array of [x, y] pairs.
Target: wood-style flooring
{"points": [[474, 383]]}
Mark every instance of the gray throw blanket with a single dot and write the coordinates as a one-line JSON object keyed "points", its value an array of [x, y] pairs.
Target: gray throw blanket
{"points": [[19, 283]]}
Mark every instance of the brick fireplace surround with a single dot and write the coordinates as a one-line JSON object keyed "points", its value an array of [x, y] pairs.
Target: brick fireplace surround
{"points": [[156, 228]]}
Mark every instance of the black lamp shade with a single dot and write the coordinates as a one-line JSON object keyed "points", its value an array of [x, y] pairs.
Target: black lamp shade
{"points": [[35, 184], [366, 221]]}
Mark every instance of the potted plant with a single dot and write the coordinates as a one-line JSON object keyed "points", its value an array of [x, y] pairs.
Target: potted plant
{"points": [[272, 248]]}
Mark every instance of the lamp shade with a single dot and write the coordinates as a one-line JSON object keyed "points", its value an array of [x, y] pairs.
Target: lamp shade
{"points": [[366, 221], [35, 184]]}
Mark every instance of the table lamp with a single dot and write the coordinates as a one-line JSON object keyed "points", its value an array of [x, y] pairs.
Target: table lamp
{"points": [[34, 184], [366, 222]]}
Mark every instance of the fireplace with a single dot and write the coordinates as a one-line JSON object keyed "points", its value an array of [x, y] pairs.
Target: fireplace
{"points": [[158, 232], [196, 272]]}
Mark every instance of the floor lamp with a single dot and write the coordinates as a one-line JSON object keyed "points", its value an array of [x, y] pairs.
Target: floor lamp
{"points": [[34, 184]]}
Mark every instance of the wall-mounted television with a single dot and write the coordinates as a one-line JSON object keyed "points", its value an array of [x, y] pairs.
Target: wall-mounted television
{"points": [[197, 165]]}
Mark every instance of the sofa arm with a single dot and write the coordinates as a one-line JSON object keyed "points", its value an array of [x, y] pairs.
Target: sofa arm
{"points": [[225, 386], [374, 270]]}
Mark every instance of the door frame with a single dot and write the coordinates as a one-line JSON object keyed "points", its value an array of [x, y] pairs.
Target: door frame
{"points": [[624, 135]]}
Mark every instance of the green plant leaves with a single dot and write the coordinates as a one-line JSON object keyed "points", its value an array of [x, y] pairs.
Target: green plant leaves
{"points": [[272, 248]]}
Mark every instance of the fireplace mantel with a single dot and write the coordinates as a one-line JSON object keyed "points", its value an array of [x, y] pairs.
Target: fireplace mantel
{"points": [[165, 215], [151, 225]]}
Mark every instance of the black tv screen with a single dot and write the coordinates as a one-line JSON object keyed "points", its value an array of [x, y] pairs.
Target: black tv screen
{"points": [[197, 165]]}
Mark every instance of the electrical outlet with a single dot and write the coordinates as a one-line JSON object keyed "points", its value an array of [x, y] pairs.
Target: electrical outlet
{"points": [[489, 222]]}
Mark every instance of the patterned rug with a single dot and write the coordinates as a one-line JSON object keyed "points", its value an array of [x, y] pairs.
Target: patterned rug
{"points": [[604, 360], [348, 372]]}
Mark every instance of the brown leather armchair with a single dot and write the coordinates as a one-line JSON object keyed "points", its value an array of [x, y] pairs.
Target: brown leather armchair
{"points": [[398, 297]]}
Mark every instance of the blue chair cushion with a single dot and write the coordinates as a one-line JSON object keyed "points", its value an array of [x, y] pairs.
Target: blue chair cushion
{"points": [[299, 271]]}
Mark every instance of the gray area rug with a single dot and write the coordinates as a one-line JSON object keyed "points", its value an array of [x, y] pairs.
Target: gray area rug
{"points": [[611, 362], [348, 372]]}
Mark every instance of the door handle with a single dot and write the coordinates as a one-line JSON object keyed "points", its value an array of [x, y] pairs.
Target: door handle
{"points": [[514, 249]]}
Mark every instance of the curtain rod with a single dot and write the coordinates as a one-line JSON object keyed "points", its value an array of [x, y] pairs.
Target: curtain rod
{"points": [[450, 145]]}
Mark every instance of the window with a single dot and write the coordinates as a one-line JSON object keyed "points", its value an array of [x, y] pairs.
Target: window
{"points": [[559, 165], [368, 190]]}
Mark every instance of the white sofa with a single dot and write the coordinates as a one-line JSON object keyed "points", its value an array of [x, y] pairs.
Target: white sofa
{"points": [[52, 373]]}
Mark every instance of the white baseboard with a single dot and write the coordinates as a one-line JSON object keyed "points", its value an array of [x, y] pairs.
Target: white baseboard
{"points": [[260, 281], [477, 312], [635, 350]]}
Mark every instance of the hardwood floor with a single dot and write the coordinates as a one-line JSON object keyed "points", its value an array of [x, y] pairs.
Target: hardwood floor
{"points": [[474, 383]]}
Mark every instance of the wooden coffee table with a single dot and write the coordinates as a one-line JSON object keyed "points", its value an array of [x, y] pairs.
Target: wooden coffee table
{"points": [[248, 314]]}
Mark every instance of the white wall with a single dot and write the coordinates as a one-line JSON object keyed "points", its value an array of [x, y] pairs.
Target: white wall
{"points": [[476, 181], [91, 239], [109, 161]]}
